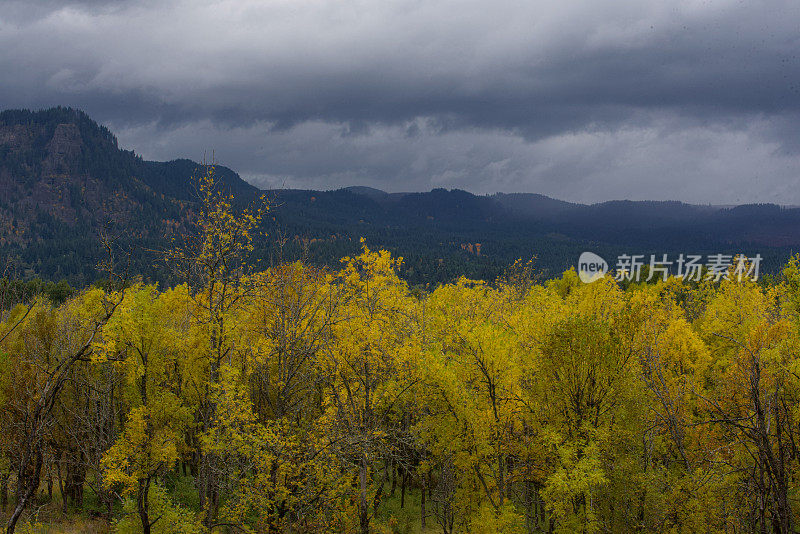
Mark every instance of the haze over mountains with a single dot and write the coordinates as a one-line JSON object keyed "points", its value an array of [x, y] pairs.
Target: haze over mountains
{"points": [[63, 178]]}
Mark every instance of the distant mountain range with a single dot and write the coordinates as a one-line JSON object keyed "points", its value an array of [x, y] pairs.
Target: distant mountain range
{"points": [[63, 177]]}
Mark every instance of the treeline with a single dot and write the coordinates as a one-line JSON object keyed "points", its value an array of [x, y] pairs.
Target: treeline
{"points": [[302, 399], [15, 291]]}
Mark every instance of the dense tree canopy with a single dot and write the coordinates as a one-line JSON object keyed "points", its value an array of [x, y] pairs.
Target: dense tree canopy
{"points": [[558, 407], [303, 399]]}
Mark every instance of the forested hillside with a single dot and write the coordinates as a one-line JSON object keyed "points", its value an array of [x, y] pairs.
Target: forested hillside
{"points": [[64, 180], [304, 399]]}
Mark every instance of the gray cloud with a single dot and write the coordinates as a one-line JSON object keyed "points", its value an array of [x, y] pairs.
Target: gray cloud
{"points": [[694, 100]]}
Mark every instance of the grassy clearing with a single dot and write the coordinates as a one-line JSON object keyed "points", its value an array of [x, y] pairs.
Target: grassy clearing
{"points": [[392, 519], [48, 517], [76, 525]]}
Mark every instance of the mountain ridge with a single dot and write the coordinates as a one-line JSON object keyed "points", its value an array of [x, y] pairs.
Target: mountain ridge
{"points": [[63, 176]]}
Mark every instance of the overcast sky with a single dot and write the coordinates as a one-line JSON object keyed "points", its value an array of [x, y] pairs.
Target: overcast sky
{"points": [[585, 101]]}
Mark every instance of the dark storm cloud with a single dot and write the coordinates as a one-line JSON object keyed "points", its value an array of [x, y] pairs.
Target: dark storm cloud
{"points": [[584, 100]]}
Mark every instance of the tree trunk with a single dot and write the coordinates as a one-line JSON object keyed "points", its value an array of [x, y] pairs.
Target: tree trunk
{"points": [[143, 504], [501, 482], [4, 491], [363, 512], [11, 526], [75, 478], [403, 489], [209, 498], [28, 477], [423, 493], [61, 487]]}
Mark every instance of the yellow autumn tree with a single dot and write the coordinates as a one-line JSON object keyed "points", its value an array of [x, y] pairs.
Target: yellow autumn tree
{"points": [[139, 339], [371, 329]]}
